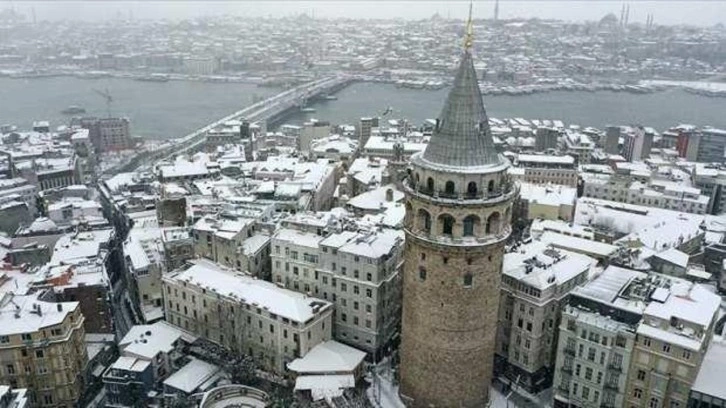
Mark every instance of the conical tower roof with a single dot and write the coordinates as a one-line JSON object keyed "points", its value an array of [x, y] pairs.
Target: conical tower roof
{"points": [[462, 137]]}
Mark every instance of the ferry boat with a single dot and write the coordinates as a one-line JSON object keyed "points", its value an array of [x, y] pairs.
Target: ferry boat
{"points": [[73, 110], [154, 78]]}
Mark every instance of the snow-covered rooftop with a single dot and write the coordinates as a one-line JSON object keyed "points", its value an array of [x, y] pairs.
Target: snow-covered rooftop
{"points": [[190, 377], [710, 379], [282, 302], [328, 357]]}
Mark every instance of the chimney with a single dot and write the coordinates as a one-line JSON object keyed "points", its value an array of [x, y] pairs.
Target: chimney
{"points": [[59, 306], [389, 195]]}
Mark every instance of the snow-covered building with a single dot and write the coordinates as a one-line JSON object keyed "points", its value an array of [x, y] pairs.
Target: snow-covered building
{"points": [[358, 270], [546, 201], [244, 314], [328, 370], [536, 282]]}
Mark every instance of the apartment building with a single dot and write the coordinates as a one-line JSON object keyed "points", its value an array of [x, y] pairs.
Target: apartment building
{"points": [[596, 339], [546, 202], [536, 282], [148, 355], [631, 339], [547, 169], [42, 349], [705, 145], [625, 189], [145, 264], [234, 242], [358, 271], [708, 389], [244, 314], [578, 144], [672, 339]]}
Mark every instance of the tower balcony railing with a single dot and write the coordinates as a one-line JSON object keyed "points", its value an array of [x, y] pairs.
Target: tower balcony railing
{"points": [[502, 194], [501, 235]]}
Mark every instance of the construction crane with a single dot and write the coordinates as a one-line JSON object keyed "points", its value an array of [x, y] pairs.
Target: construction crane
{"points": [[107, 96]]}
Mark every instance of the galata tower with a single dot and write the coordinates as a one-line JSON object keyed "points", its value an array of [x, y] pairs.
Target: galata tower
{"points": [[458, 210]]}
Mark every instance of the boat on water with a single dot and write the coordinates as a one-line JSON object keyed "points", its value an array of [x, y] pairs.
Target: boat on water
{"points": [[73, 110], [154, 78], [330, 98], [307, 110]]}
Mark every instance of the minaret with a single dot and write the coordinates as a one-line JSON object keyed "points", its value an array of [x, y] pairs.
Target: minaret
{"points": [[458, 208]]}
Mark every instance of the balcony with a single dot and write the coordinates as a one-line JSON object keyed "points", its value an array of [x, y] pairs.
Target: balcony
{"points": [[570, 351], [615, 367], [611, 387], [567, 369]]}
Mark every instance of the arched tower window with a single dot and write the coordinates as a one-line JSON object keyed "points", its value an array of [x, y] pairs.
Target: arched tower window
{"points": [[447, 224], [424, 220], [471, 189], [493, 223], [422, 273], [430, 185], [470, 223], [449, 188], [409, 214], [490, 187]]}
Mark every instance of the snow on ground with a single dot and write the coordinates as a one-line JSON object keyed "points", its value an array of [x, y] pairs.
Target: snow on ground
{"points": [[384, 394]]}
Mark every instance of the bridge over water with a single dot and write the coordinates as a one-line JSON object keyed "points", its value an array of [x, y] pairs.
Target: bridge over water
{"points": [[261, 113]]}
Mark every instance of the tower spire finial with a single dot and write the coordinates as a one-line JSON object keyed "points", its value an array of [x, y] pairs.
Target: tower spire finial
{"points": [[469, 36]]}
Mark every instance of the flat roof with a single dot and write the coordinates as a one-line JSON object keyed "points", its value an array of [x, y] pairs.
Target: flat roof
{"points": [[710, 378]]}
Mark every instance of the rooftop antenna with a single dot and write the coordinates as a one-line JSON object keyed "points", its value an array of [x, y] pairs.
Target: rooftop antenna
{"points": [[496, 10]]}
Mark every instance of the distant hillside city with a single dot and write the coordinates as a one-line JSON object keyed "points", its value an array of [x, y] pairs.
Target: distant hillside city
{"points": [[465, 261]]}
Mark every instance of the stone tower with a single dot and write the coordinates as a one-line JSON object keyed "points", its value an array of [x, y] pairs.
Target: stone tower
{"points": [[458, 209]]}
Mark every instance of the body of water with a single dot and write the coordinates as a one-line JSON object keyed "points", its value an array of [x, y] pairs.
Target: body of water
{"points": [[659, 110], [157, 110], [176, 108]]}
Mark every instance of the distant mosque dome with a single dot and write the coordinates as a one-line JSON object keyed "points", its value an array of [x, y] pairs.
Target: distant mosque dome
{"points": [[610, 20]]}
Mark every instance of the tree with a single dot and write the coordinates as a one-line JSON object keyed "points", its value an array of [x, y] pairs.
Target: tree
{"points": [[241, 369]]}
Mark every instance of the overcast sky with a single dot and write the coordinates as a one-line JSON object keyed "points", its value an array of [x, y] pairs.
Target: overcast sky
{"points": [[665, 12]]}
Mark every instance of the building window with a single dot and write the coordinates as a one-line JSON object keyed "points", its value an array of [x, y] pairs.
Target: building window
{"points": [[26, 336], [666, 347], [468, 279], [471, 189], [469, 223], [39, 354], [637, 393], [493, 223], [447, 224], [422, 273], [646, 341], [449, 188], [641, 375], [424, 220], [654, 403]]}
